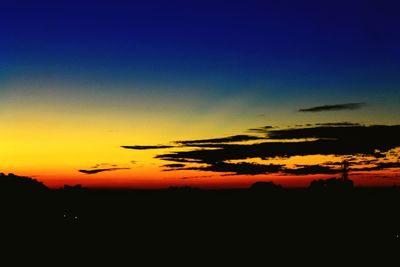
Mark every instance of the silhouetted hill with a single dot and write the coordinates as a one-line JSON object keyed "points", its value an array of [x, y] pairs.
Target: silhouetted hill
{"points": [[12, 183], [265, 186], [199, 221]]}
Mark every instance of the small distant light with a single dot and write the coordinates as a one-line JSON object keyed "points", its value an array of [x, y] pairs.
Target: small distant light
{"points": [[397, 236], [76, 217], [65, 215]]}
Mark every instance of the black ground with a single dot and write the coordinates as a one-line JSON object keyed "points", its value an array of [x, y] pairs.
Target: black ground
{"points": [[204, 222]]}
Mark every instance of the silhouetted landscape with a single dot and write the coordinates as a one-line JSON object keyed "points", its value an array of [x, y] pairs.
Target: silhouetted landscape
{"points": [[181, 131], [327, 212]]}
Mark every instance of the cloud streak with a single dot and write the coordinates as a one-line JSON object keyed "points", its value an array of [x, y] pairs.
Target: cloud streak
{"points": [[336, 107], [229, 139], [364, 145], [95, 171], [146, 147]]}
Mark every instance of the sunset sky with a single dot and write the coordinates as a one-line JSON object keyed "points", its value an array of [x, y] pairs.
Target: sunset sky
{"points": [[100, 94]]}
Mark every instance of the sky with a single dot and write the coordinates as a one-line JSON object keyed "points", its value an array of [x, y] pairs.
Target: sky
{"points": [[82, 81]]}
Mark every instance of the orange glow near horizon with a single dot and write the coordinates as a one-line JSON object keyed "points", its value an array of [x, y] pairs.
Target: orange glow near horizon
{"points": [[53, 152], [51, 135], [155, 180]]}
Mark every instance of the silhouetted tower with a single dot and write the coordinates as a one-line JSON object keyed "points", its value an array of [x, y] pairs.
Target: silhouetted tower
{"points": [[345, 170]]}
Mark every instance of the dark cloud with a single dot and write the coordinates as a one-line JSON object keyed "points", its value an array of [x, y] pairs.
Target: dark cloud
{"points": [[244, 151], [349, 139], [380, 166], [312, 169], [327, 143], [240, 168], [347, 106], [330, 163], [101, 170], [356, 161], [360, 144], [184, 160], [104, 165], [146, 147], [200, 142], [260, 129], [229, 139], [174, 166], [196, 177], [345, 123], [245, 168]]}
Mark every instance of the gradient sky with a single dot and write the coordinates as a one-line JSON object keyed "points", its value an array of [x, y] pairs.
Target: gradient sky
{"points": [[80, 80]]}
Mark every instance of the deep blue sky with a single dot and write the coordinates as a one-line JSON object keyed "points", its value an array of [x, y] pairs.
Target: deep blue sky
{"points": [[319, 47]]}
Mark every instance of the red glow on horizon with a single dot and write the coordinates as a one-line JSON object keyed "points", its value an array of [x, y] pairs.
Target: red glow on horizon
{"points": [[216, 182]]}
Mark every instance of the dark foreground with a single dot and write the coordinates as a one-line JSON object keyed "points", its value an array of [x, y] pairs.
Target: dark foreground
{"points": [[204, 222]]}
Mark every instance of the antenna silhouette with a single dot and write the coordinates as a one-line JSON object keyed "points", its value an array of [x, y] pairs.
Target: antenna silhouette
{"points": [[345, 170]]}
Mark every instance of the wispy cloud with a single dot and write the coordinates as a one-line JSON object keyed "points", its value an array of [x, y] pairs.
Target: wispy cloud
{"points": [[336, 107], [260, 129], [146, 147], [199, 142], [104, 165], [229, 139], [101, 170], [175, 165], [312, 169], [344, 123]]}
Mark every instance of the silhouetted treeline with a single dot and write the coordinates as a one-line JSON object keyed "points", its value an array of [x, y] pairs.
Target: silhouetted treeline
{"points": [[179, 218], [12, 183]]}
